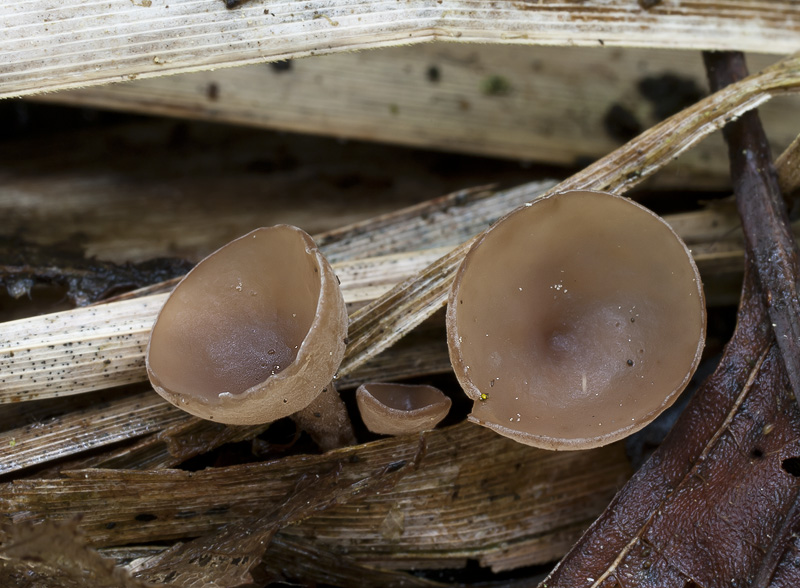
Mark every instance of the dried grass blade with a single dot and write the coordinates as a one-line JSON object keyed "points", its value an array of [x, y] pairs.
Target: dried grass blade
{"points": [[446, 221], [78, 350], [301, 559], [227, 556], [521, 493], [151, 39], [84, 430]]}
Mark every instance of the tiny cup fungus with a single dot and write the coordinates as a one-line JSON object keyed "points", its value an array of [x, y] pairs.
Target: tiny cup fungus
{"points": [[255, 332], [575, 320], [399, 409]]}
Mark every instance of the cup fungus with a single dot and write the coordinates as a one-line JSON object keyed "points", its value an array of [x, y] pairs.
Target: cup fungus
{"points": [[575, 320], [399, 409], [253, 333]]}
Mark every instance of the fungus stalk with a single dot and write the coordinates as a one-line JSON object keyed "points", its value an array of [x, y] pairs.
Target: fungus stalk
{"points": [[326, 420]]}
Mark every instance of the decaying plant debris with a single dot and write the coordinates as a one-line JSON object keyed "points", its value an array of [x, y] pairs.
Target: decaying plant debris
{"points": [[23, 266], [364, 515]]}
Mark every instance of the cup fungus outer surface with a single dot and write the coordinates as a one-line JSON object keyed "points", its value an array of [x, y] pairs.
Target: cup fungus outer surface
{"points": [[400, 409], [253, 333], [575, 320]]}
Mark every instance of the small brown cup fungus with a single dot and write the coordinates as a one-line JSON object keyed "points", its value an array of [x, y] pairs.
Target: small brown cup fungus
{"points": [[253, 333], [399, 409], [575, 320]]}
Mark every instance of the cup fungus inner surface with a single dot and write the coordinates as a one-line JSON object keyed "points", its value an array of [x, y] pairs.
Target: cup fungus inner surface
{"points": [[397, 409], [575, 320], [239, 317], [404, 397]]}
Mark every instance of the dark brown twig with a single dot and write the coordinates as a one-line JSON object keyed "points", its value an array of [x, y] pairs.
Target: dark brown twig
{"points": [[771, 249], [765, 221]]}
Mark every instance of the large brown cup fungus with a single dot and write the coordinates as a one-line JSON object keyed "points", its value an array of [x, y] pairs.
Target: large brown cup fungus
{"points": [[575, 320], [255, 332]]}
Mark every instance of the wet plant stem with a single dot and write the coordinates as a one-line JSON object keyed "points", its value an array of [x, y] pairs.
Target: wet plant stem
{"points": [[765, 221]]}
